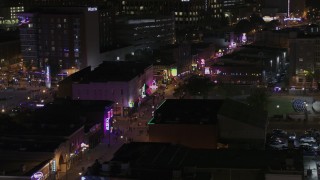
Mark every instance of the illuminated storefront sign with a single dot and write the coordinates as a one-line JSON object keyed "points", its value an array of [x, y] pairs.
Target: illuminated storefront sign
{"points": [[244, 37], [91, 9], [107, 119], [131, 104], [53, 166], [48, 79], [202, 62], [107, 124], [37, 176], [143, 91], [154, 85], [111, 112], [207, 70], [292, 19], [174, 71]]}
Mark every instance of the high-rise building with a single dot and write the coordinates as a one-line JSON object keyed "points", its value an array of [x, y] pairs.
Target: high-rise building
{"points": [[66, 39], [304, 55], [187, 13], [106, 11], [293, 8], [149, 31]]}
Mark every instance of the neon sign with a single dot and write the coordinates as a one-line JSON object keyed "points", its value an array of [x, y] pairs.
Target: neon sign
{"points": [[244, 37], [174, 71], [48, 79], [143, 91], [131, 104], [154, 85], [37, 176], [92, 9], [107, 124], [54, 166], [107, 119], [203, 62], [207, 70], [292, 19]]}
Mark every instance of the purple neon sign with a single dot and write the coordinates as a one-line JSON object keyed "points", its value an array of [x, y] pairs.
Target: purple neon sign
{"points": [[107, 119]]}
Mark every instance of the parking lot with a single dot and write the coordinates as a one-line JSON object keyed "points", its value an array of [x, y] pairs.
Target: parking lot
{"points": [[307, 142]]}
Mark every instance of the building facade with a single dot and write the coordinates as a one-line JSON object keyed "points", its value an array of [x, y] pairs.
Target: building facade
{"points": [[63, 39], [125, 83], [150, 31], [304, 55]]}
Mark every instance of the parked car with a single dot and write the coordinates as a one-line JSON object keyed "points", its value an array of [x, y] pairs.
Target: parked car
{"points": [[308, 139], [278, 145], [279, 132], [292, 136], [312, 132]]}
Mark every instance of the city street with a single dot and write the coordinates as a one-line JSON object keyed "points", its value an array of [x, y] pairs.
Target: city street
{"points": [[130, 130]]}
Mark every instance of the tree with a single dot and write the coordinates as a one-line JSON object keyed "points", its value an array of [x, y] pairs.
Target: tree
{"points": [[258, 98], [272, 25], [256, 20], [243, 26], [195, 85], [310, 77]]}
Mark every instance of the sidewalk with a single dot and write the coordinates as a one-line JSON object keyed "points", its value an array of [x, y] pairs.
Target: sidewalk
{"points": [[103, 152]]}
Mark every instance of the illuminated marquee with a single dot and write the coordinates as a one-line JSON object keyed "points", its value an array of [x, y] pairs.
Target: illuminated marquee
{"points": [[143, 91], [37, 176], [292, 19], [244, 37], [54, 166], [107, 124], [207, 70], [23, 20], [174, 71], [154, 85], [92, 9], [107, 119], [131, 104], [48, 79]]}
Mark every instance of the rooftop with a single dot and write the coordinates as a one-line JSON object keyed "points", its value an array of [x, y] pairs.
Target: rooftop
{"points": [[46, 128], [164, 157], [187, 111], [22, 163], [116, 71], [244, 113]]}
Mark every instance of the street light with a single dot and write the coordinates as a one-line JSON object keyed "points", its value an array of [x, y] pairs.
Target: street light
{"points": [[117, 108]]}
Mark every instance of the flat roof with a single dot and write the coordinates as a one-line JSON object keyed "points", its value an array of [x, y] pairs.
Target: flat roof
{"points": [[173, 156], [11, 163], [44, 129], [116, 71], [187, 111], [244, 113]]}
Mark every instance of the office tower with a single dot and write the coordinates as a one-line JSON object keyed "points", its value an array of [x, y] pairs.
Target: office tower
{"points": [[65, 39]]}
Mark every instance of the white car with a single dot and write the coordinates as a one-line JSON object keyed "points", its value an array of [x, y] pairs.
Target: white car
{"points": [[308, 139], [278, 145], [292, 136]]}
